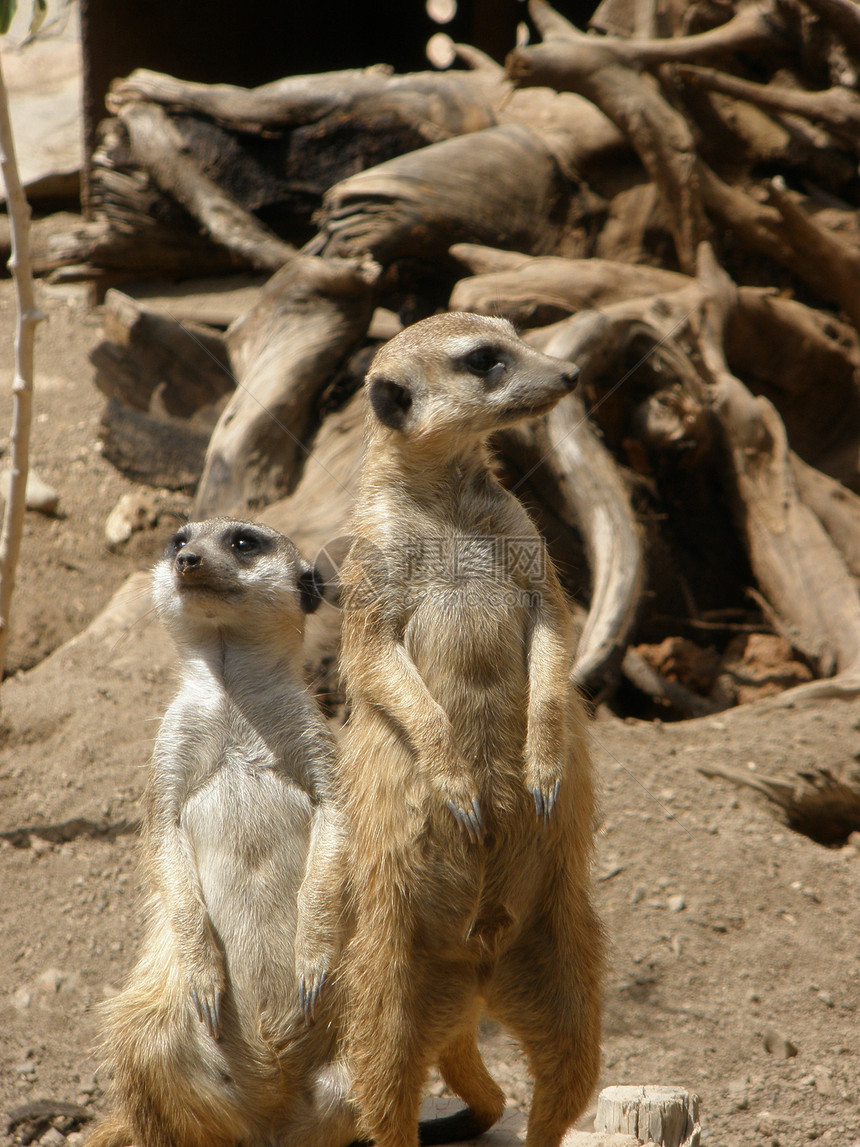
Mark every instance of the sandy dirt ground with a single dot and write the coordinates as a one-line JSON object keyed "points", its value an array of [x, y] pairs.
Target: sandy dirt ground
{"points": [[730, 934]]}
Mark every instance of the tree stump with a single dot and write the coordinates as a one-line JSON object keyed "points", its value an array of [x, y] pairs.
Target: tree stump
{"points": [[665, 1115]]}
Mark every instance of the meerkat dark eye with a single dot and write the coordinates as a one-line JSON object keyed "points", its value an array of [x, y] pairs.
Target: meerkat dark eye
{"points": [[246, 543], [486, 362], [176, 543]]}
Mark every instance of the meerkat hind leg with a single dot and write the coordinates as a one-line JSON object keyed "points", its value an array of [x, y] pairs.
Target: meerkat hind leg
{"points": [[550, 1000], [465, 1072]]}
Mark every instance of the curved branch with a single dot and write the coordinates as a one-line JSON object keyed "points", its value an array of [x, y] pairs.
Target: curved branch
{"points": [[158, 147], [837, 107]]}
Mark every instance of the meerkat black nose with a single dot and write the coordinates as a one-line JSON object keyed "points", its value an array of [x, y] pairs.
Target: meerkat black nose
{"points": [[187, 560], [570, 377]]}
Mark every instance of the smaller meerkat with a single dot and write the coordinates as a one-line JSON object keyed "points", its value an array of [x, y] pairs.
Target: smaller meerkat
{"points": [[207, 1043], [464, 778]]}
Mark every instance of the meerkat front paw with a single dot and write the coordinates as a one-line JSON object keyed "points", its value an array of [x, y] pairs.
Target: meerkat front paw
{"points": [[314, 960]]}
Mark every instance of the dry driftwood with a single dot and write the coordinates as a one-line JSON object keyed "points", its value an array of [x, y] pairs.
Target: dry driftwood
{"points": [[500, 186], [308, 319], [146, 357], [664, 1115], [154, 449], [816, 803], [707, 394], [820, 249], [157, 146], [837, 508], [435, 105], [796, 564], [804, 361], [537, 292], [608, 71], [571, 470], [663, 690], [837, 107]]}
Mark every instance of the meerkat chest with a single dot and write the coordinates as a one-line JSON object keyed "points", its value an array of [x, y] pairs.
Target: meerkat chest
{"points": [[468, 612]]}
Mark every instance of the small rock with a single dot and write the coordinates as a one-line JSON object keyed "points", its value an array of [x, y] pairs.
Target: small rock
{"points": [[50, 981], [677, 903], [826, 998], [823, 1083], [39, 845], [739, 1094], [21, 999], [778, 1045], [853, 841], [39, 495], [88, 1084], [53, 1138], [134, 511], [76, 1139]]}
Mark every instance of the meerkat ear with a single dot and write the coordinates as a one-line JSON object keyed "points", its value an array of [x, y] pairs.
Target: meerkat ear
{"points": [[311, 589], [391, 401]]}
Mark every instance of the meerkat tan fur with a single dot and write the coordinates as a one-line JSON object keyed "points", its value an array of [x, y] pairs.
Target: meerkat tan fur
{"points": [[465, 776], [207, 1044]]}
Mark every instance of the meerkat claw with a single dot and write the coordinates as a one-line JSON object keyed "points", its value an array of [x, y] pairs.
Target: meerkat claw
{"points": [[471, 821], [309, 997], [208, 1014], [545, 802]]}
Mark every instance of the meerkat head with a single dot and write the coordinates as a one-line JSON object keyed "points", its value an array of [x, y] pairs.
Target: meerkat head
{"points": [[234, 576], [459, 375]]}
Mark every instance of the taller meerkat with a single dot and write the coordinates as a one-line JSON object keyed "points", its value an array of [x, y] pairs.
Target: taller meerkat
{"points": [[466, 781]]}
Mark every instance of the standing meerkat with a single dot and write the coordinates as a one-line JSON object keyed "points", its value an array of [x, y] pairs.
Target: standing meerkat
{"points": [[464, 778], [207, 1044]]}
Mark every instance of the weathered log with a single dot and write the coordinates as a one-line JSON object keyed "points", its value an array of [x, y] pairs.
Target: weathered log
{"points": [[796, 564], [308, 319], [501, 187], [818, 804], [536, 292], [833, 258], [134, 227], [146, 356], [436, 105], [157, 146], [805, 361], [210, 301], [158, 451], [837, 508], [607, 70], [838, 107], [659, 688], [572, 471]]}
